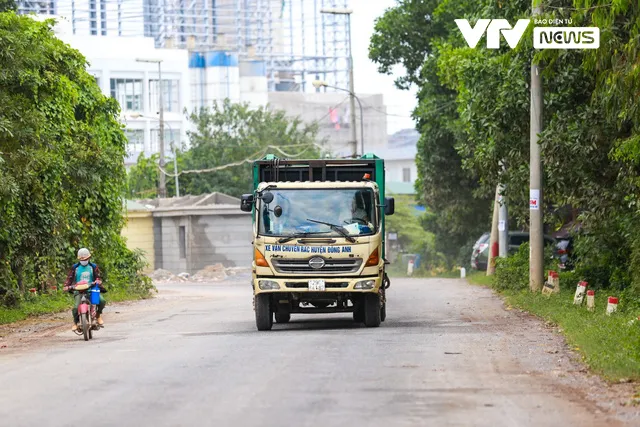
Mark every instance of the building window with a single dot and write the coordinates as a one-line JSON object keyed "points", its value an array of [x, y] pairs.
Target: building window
{"points": [[128, 92], [170, 137], [92, 17], [406, 174], [103, 16], [135, 138], [182, 240], [170, 95]]}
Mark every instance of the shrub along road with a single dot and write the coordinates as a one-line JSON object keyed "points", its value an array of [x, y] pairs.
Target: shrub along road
{"points": [[448, 354]]}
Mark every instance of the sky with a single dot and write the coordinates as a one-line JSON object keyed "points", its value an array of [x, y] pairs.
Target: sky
{"points": [[366, 76]]}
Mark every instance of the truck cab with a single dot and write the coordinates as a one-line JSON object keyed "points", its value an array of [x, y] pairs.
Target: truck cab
{"points": [[318, 242]]}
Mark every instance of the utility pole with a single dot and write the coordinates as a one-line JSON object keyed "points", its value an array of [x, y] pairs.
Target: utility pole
{"points": [[503, 223], [493, 240], [352, 93], [536, 253], [352, 97], [162, 188]]}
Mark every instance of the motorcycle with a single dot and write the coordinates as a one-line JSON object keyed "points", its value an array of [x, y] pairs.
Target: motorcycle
{"points": [[564, 249], [87, 309]]}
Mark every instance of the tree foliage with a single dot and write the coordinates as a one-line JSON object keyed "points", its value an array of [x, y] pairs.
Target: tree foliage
{"points": [[412, 237], [61, 161], [228, 134], [591, 138], [410, 35], [8, 6]]}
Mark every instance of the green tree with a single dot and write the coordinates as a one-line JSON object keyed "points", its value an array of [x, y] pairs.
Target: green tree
{"points": [[591, 141], [8, 6], [225, 139], [409, 35], [412, 237], [61, 161]]}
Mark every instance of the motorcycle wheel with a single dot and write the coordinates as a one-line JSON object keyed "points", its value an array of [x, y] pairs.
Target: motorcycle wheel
{"points": [[85, 326], [90, 327]]}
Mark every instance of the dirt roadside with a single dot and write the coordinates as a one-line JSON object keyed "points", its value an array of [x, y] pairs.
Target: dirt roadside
{"points": [[543, 352]]}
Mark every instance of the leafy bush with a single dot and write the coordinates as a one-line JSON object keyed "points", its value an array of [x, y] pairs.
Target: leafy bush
{"points": [[512, 272], [62, 173]]}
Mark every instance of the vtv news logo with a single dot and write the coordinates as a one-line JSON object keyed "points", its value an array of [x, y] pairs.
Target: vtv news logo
{"points": [[543, 37]]}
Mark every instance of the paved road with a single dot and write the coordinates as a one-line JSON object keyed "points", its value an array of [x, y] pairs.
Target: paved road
{"points": [[449, 354]]}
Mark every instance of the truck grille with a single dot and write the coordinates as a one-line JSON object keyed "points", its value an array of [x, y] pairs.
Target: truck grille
{"points": [[305, 285], [331, 266]]}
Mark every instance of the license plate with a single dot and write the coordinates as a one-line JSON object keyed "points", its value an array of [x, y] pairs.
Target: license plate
{"points": [[316, 285]]}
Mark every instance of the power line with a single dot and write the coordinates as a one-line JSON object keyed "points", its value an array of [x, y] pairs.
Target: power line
{"points": [[578, 8], [258, 154], [249, 159]]}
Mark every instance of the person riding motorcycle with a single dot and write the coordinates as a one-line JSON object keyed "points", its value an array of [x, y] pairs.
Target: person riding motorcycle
{"points": [[84, 271]]}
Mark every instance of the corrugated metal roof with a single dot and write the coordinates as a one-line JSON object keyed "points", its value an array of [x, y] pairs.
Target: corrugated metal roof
{"points": [[189, 201], [132, 205]]}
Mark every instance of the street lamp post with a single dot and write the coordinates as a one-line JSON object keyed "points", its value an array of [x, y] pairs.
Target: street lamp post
{"points": [[351, 90], [173, 148], [319, 83], [162, 188]]}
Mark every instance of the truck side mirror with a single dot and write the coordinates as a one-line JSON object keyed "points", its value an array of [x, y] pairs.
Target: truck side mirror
{"points": [[246, 202], [389, 205], [267, 197]]}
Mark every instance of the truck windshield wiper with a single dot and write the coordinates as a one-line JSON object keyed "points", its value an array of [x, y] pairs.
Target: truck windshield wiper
{"points": [[304, 234], [335, 227]]}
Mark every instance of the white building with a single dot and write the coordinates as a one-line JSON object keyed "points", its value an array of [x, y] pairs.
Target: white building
{"points": [[115, 63], [330, 111], [399, 157]]}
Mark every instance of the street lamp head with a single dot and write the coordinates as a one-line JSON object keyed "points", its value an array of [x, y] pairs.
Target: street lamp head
{"points": [[334, 11], [155, 61], [319, 83]]}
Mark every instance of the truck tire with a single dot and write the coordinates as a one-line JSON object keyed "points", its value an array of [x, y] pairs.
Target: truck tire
{"points": [[264, 315], [372, 310], [383, 312], [283, 317], [358, 314]]}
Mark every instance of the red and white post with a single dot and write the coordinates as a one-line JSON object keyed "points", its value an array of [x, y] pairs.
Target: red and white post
{"points": [[612, 305]]}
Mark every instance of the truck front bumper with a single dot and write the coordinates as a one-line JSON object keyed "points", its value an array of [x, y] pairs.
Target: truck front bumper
{"points": [[331, 285]]}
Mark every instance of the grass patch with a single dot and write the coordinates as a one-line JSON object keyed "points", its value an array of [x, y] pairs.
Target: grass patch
{"points": [[397, 270], [35, 306], [608, 344], [480, 278], [56, 303]]}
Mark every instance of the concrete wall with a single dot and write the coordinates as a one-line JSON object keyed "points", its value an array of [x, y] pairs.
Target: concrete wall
{"points": [[139, 234], [209, 239]]}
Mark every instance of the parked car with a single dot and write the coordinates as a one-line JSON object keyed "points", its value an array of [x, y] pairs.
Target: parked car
{"points": [[477, 262], [480, 254]]}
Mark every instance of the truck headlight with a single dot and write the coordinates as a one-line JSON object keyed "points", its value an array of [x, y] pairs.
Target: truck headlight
{"points": [[365, 284], [267, 285]]}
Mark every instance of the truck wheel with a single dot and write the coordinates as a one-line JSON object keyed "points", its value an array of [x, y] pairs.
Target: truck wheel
{"points": [[283, 317], [264, 316], [372, 310], [358, 314]]}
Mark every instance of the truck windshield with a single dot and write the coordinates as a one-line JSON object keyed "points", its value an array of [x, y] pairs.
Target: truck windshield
{"points": [[326, 212]]}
